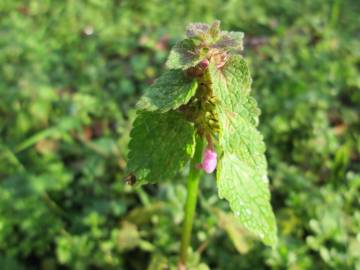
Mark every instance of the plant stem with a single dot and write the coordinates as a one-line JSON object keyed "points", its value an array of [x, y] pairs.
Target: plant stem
{"points": [[190, 205]]}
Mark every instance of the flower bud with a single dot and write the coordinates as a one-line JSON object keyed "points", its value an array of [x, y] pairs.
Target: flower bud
{"points": [[204, 64], [209, 161]]}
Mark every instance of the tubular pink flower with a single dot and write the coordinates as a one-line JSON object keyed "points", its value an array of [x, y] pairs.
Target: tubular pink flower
{"points": [[209, 161]]}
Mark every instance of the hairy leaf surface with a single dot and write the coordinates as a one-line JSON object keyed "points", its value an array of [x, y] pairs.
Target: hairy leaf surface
{"points": [[231, 41], [161, 144], [231, 83], [168, 92], [242, 176], [197, 29], [248, 196], [184, 55]]}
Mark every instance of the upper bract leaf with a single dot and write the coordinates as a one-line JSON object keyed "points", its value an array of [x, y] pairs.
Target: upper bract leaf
{"points": [[161, 144], [197, 29], [183, 55], [230, 41], [203, 40], [168, 92], [242, 176]]}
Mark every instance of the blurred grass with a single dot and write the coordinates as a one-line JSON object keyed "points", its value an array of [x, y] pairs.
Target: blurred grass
{"points": [[70, 74]]}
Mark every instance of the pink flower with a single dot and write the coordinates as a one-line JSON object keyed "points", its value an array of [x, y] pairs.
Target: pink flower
{"points": [[209, 161], [204, 64]]}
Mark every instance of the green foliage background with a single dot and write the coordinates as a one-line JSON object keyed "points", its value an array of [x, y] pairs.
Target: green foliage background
{"points": [[70, 74]]}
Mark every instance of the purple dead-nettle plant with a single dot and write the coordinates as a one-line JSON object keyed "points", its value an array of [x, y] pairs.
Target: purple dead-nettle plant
{"points": [[201, 110]]}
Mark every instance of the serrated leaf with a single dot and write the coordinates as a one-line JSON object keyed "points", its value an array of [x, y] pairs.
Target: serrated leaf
{"points": [[242, 177], [232, 41], [184, 55], [231, 83], [248, 196], [168, 92], [161, 144], [204, 34], [241, 137], [197, 29]]}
